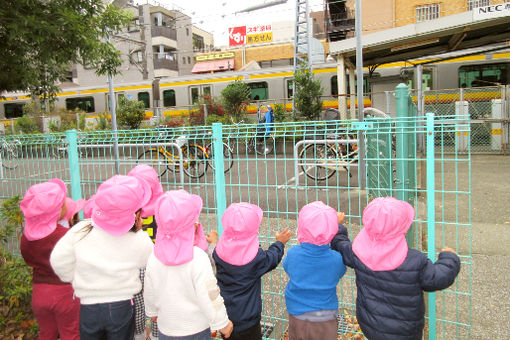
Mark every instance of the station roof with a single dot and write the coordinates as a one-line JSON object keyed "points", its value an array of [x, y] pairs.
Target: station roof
{"points": [[479, 27]]}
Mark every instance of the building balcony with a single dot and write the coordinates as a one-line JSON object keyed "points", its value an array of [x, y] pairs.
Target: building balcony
{"points": [[164, 63], [162, 31]]}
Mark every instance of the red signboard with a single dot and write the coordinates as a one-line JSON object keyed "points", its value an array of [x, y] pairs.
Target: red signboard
{"points": [[237, 36]]}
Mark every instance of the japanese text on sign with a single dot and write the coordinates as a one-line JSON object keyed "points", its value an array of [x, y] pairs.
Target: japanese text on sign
{"points": [[259, 38]]}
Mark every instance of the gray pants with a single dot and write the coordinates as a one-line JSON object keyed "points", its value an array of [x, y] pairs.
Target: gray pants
{"points": [[308, 330]]}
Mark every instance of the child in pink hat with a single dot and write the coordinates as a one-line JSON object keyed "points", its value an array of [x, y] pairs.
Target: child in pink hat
{"points": [[56, 310], [102, 258], [180, 287], [240, 264], [390, 277], [73, 208], [311, 300]]}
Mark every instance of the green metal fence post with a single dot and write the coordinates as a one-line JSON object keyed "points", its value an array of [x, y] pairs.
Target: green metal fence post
{"points": [[74, 165], [219, 175], [431, 218], [401, 95]]}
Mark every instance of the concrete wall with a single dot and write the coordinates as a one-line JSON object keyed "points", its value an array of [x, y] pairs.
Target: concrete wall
{"points": [[377, 14], [185, 58]]}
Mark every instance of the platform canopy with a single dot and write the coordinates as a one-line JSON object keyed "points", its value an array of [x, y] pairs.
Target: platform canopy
{"points": [[479, 27]]}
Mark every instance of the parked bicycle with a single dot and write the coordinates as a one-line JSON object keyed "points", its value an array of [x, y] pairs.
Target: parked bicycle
{"points": [[319, 161], [263, 141], [228, 156], [9, 151], [161, 158]]}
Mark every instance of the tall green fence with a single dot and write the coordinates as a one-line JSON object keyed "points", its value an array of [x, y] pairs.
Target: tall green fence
{"points": [[298, 163]]}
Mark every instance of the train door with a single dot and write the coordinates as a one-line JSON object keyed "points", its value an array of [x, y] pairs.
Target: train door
{"points": [[196, 92], [118, 96]]}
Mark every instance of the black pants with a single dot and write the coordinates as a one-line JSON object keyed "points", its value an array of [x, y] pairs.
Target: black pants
{"points": [[252, 333]]}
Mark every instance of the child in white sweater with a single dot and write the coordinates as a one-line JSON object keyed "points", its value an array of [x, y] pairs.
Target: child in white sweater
{"points": [[102, 259], [180, 288]]}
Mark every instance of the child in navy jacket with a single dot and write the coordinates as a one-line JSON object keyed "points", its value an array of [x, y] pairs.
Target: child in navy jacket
{"points": [[311, 299], [240, 264], [390, 277]]}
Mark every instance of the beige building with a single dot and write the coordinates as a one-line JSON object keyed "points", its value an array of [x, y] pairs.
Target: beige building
{"points": [[384, 14]]}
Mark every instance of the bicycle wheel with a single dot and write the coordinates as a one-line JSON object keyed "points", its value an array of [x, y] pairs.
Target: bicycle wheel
{"points": [[228, 157], [195, 161], [9, 157], [154, 158], [318, 161], [264, 145]]}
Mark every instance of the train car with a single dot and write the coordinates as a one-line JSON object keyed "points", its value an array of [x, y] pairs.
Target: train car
{"points": [[177, 96]]}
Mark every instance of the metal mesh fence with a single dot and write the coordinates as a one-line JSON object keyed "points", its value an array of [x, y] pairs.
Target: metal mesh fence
{"points": [[281, 168]]}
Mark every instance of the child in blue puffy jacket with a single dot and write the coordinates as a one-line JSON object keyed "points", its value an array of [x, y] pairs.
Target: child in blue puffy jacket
{"points": [[390, 277]]}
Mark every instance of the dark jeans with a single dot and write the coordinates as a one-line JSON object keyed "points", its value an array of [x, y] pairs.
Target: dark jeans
{"points": [[107, 321], [252, 333]]}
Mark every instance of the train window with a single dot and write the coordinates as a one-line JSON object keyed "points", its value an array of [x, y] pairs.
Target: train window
{"points": [[334, 85], [407, 75], [259, 91], [13, 110], [82, 103], [290, 87], [145, 98], [483, 75], [169, 98], [195, 93]]}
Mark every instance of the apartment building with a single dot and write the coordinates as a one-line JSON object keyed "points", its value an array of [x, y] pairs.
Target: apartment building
{"points": [[158, 43]]}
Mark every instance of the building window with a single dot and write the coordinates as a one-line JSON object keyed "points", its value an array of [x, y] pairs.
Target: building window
{"points": [[169, 98], [189, 60], [184, 60], [187, 31], [136, 57], [478, 3], [428, 12], [82, 103], [134, 25], [198, 43], [145, 98], [259, 90]]}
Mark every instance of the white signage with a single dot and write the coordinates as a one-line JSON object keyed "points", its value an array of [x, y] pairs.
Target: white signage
{"points": [[493, 11]]}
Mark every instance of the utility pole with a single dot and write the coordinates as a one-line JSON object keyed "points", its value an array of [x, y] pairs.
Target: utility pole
{"points": [[361, 115]]}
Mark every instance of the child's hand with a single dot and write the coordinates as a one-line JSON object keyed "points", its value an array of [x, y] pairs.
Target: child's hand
{"points": [[227, 330], [449, 249], [212, 237], [340, 217], [284, 236], [154, 318]]}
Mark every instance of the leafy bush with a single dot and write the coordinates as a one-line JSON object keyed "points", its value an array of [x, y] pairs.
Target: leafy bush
{"points": [[130, 113], [215, 112], [15, 277], [103, 123], [235, 96], [308, 94], [27, 124], [280, 114]]}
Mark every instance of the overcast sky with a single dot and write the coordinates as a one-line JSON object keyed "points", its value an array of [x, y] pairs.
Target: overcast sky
{"points": [[216, 16]]}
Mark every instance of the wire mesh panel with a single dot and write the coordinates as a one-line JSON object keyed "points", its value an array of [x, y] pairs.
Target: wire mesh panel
{"points": [[281, 167]]}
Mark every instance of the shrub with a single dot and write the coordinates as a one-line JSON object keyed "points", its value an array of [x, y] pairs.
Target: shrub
{"points": [[15, 277], [130, 113], [235, 96], [103, 123], [280, 114], [308, 94], [27, 124], [214, 110]]}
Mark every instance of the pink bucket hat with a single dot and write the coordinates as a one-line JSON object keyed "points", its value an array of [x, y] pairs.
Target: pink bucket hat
{"points": [[317, 223], [73, 207], [41, 207], [89, 205], [381, 244], [239, 243], [148, 174], [176, 214], [116, 203]]}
